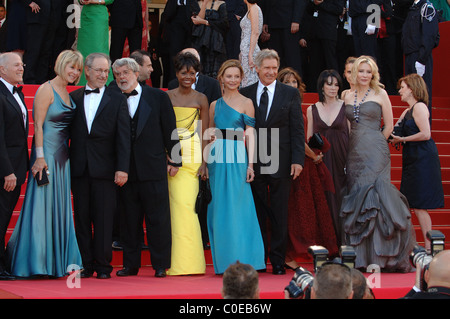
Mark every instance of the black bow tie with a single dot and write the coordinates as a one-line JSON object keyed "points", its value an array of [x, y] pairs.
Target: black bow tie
{"points": [[87, 92], [17, 89], [134, 92]]}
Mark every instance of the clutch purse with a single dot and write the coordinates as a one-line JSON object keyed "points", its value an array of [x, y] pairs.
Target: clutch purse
{"points": [[204, 196], [43, 180], [316, 141]]}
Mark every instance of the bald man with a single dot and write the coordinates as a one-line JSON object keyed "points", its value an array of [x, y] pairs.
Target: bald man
{"points": [[13, 144], [437, 278]]}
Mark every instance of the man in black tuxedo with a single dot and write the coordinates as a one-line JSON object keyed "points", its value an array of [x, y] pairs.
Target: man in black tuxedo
{"points": [[280, 152], [364, 34], [320, 24], [100, 159], [178, 27], [43, 21], [236, 10], [152, 121], [126, 23], [282, 21], [3, 28], [13, 144]]}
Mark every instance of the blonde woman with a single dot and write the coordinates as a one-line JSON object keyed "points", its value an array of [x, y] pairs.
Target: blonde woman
{"points": [[44, 242], [233, 226], [375, 216]]}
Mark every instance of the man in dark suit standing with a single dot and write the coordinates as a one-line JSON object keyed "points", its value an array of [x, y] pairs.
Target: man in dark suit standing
{"points": [[236, 10], [321, 23], [126, 23], [280, 152], [153, 122], [3, 28], [364, 34], [100, 158], [282, 21], [13, 144], [43, 20], [178, 27]]}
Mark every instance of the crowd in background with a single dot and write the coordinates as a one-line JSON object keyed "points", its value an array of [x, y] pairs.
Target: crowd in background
{"points": [[304, 54], [310, 36]]}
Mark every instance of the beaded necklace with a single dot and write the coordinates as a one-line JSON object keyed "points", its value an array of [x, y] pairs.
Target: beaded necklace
{"points": [[357, 107]]}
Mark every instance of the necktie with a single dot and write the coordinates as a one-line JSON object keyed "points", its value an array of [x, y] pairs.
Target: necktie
{"points": [[264, 103], [17, 89], [87, 92], [134, 92]]}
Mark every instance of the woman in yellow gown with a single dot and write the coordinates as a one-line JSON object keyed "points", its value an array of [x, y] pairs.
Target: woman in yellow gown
{"points": [[191, 110]]}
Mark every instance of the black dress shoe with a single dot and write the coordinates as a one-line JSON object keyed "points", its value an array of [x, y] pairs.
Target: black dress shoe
{"points": [[160, 273], [86, 273], [127, 272], [103, 276], [278, 270], [4, 275], [117, 245]]}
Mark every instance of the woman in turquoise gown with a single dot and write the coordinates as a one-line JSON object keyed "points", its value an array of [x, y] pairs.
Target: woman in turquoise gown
{"points": [[233, 226], [93, 35], [44, 241]]}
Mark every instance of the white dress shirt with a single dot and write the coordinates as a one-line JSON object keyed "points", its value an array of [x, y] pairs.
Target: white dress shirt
{"points": [[10, 87], [270, 92], [91, 103], [133, 101]]}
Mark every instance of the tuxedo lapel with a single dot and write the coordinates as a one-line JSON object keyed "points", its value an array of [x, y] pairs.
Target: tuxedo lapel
{"points": [[10, 98], [277, 102], [78, 97], [253, 90], [144, 110], [103, 102]]}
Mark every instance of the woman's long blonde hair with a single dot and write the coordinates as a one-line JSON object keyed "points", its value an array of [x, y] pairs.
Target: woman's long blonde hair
{"points": [[375, 83]]}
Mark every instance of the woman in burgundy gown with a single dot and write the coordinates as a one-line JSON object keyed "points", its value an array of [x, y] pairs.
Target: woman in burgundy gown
{"points": [[328, 118], [309, 219]]}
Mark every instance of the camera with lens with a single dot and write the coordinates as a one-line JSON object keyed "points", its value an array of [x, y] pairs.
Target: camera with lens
{"points": [[302, 281], [347, 256], [300, 284], [421, 259]]}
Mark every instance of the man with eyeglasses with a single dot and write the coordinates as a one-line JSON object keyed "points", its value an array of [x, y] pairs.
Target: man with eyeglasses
{"points": [[100, 155], [13, 144]]}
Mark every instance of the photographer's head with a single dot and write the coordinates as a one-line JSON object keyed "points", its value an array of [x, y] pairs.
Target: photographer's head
{"points": [[240, 281], [438, 274], [332, 281]]}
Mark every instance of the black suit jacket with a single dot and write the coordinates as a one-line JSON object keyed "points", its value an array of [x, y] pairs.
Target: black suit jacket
{"points": [[106, 149], [170, 10], [3, 34], [126, 14], [286, 116], [280, 14], [205, 84], [13, 137], [324, 26], [156, 136], [45, 12]]}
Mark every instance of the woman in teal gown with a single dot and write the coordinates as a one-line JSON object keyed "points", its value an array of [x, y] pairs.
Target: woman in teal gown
{"points": [[233, 226], [44, 241], [93, 35]]}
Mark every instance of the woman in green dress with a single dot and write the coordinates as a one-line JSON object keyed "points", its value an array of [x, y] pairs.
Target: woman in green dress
{"points": [[93, 35]]}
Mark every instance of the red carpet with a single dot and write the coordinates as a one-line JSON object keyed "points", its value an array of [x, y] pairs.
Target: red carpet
{"points": [[146, 286]]}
